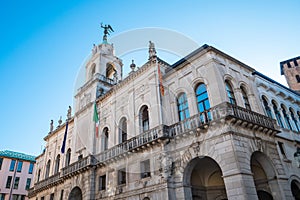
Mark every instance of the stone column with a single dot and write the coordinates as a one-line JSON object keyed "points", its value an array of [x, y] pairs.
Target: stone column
{"points": [[240, 186]]}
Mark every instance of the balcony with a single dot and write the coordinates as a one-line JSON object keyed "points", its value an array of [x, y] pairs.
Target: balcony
{"points": [[133, 144], [78, 166], [73, 169], [245, 118], [224, 112], [106, 80]]}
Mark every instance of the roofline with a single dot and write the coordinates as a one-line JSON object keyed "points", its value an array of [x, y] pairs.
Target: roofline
{"points": [[29, 158], [206, 48], [273, 81]]}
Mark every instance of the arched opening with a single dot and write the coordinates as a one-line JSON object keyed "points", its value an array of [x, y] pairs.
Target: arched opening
{"points": [[105, 137], [266, 107], [295, 187], [47, 169], [264, 176], [203, 102], [75, 194], [68, 157], [110, 70], [123, 130], [277, 114], [144, 119], [93, 70], [203, 180], [296, 126], [230, 92], [183, 107], [286, 117], [57, 162], [263, 195], [245, 98]]}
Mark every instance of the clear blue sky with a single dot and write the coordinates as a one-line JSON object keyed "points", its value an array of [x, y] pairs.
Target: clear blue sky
{"points": [[43, 44]]}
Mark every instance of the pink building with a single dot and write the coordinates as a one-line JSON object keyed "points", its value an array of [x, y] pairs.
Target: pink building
{"points": [[16, 175]]}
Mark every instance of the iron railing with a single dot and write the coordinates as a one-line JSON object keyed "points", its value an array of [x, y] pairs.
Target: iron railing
{"points": [[200, 120]]}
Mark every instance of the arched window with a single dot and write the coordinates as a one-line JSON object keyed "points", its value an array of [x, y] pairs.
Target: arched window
{"points": [[245, 98], [183, 107], [123, 130], [277, 114], [105, 137], [230, 93], [144, 119], [286, 117], [294, 120], [203, 102], [68, 157], [93, 70], [57, 162], [47, 169], [267, 108]]}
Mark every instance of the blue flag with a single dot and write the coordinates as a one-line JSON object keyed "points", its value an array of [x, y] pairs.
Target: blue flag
{"points": [[63, 146]]}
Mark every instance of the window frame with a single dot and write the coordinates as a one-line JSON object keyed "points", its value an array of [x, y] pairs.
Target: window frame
{"points": [[123, 130], [16, 183], [182, 106], [57, 164], [277, 114], [8, 182], [12, 165], [19, 166], [144, 119], [230, 92], [201, 90], [105, 138], [31, 167], [122, 176], [245, 98], [102, 182], [28, 183], [145, 169], [286, 117]]}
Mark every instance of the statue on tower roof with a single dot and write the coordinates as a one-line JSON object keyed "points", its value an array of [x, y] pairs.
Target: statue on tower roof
{"points": [[152, 51], [107, 30]]}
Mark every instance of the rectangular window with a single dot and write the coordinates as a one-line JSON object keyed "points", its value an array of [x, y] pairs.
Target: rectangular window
{"points": [[62, 195], [8, 182], [16, 184], [20, 165], [16, 197], [102, 182], [30, 168], [12, 165], [22, 197], [52, 196], [281, 147], [122, 176], [28, 182], [145, 169], [1, 161], [2, 196]]}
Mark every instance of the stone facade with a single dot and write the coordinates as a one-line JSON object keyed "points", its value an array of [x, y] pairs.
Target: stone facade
{"points": [[201, 131]]}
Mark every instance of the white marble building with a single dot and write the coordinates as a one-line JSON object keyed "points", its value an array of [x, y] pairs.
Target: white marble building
{"points": [[207, 127]]}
